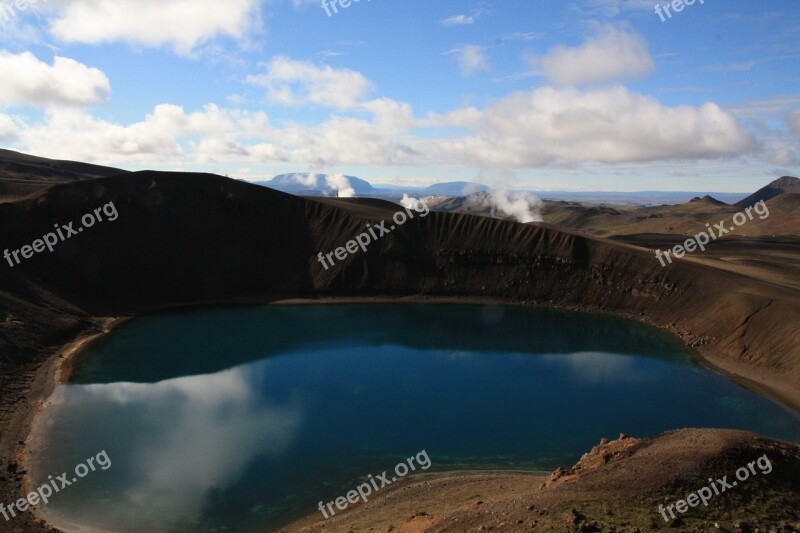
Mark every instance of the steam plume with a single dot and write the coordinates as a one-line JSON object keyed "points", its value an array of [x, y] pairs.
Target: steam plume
{"points": [[522, 206], [341, 185]]}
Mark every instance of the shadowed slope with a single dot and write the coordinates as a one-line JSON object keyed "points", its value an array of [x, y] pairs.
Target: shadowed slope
{"points": [[21, 174], [786, 184], [193, 238], [186, 239]]}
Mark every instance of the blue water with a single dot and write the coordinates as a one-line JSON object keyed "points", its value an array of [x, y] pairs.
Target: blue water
{"points": [[240, 419]]}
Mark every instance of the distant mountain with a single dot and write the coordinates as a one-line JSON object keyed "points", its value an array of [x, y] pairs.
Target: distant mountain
{"points": [[707, 199], [472, 204], [454, 188], [779, 186], [316, 185], [607, 219], [319, 185], [635, 198]]}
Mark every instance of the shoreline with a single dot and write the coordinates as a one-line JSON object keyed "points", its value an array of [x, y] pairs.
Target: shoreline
{"points": [[57, 368], [48, 376]]}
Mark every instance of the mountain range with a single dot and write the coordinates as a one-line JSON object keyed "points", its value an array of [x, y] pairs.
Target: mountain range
{"points": [[22, 174]]}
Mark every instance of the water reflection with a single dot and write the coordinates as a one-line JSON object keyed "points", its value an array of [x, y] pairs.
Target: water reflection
{"points": [[599, 367], [297, 419], [150, 348], [172, 444]]}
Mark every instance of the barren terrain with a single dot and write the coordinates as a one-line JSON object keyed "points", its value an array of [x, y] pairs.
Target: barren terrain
{"points": [[194, 239]]}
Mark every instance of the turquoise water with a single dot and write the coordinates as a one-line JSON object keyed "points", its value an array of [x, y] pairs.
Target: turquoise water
{"points": [[240, 419]]}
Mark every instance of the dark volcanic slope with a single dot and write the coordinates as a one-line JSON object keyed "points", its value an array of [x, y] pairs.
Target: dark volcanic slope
{"points": [[198, 238], [189, 238], [21, 174], [786, 184]]}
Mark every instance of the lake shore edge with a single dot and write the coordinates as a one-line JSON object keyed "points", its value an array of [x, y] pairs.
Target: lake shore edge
{"points": [[56, 368]]}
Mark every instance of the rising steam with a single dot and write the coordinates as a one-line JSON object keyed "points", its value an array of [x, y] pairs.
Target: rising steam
{"points": [[329, 184], [522, 206], [409, 202], [341, 185]]}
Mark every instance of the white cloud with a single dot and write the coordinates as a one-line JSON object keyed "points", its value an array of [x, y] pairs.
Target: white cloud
{"points": [[458, 20], [547, 127], [471, 59], [614, 54], [772, 108], [76, 134], [180, 24], [65, 82], [293, 82], [779, 147], [8, 130], [551, 126]]}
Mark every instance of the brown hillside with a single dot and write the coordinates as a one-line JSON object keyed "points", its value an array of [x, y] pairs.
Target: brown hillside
{"points": [[617, 486], [21, 174], [184, 239], [188, 239]]}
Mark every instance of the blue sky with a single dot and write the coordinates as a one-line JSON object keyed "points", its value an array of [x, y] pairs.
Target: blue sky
{"points": [[541, 94]]}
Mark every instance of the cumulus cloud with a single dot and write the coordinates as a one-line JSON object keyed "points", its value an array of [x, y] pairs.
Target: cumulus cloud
{"points": [[471, 59], [293, 82], [567, 125], [76, 134], [613, 54], [779, 148], [8, 130], [546, 127], [180, 24], [64, 83]]}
